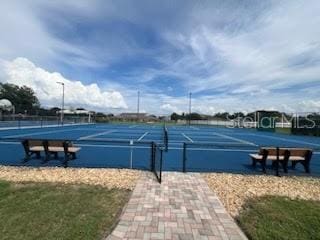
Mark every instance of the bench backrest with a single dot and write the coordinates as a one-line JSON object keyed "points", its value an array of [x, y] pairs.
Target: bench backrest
{"points": [[55, 143], [30, 143], [33, 143], [287, 152], [299, 152], [273, 151]]}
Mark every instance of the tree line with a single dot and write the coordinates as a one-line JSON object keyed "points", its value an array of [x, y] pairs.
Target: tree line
{"points": [[236, 115], [24, 100]]}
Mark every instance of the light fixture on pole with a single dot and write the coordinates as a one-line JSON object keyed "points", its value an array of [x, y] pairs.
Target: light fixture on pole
{"points": [[62, 104]]}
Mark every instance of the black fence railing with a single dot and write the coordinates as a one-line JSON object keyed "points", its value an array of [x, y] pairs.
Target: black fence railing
{"points": [[157, 161], [165, 138], [212, 156], [20, 121]]}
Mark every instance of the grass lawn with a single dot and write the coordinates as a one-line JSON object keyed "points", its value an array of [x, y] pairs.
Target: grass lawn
{"points": [[274, 217], [56, 211], [283, 130]]}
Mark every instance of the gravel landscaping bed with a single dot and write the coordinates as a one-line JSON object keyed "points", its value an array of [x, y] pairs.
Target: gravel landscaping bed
{"points": [[234, 189], [111, 178]]}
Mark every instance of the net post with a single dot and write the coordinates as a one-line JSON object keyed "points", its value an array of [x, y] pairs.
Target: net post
{"points": [[184, 156]]}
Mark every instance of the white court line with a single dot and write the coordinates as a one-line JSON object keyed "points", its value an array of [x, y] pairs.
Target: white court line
{"points": [[235, 139], [195, 128], [96, 134], [187, 137], [143, 136], [14, 143], [288, 140], [133, 126], [38, 133]]}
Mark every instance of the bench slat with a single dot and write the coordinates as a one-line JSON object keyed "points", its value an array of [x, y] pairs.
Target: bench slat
{"points": [[73, 149], [37, 148]]}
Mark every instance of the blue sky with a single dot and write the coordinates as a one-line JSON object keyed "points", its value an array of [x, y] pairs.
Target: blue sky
{"points": [[232, 55]]}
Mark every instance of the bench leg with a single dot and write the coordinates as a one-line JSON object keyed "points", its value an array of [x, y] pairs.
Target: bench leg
{"points": [[74, 156], [66, 160], [306, 166], [38, 155], [293, 164], [263, 165], [65, 164], [26, 158], [254, 163], [277, 168], [46, 158], [285, 166]]}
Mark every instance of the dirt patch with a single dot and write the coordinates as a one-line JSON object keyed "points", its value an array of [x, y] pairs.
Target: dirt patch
{"points": [[111, 178], [234, 189]]}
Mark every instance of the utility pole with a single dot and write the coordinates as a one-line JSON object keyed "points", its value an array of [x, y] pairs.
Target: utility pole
{"points": [[62, 104], [190, 95], [138, 105]]}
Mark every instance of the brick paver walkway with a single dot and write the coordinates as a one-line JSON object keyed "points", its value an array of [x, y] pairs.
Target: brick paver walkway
{"points": [[182, 207]]}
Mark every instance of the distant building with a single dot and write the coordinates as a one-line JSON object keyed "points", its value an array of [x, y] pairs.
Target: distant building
{"points": [[136, 116], [75, 112]]}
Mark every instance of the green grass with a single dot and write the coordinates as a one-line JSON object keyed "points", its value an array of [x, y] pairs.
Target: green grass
{"points": [[283, 130], [274, 217], [51, 211]]}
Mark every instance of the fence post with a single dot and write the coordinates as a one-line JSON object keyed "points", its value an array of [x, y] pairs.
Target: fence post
{"points": [[152, 156], [277, 162], [184, 154], [160, 177], [131, 154]]}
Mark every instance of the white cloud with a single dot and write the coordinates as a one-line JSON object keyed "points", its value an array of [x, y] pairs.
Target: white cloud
{"points": [[234, 56], [168, 108], [21, 71], [277, 50]]}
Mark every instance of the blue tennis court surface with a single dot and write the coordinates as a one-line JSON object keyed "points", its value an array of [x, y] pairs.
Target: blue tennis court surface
{"points": [[128, 146]]}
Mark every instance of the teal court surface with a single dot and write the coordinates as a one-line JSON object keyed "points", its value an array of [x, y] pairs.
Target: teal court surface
{"points": [[193, 148]]}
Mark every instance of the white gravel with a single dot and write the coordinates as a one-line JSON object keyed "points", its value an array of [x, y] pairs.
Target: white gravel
{"points": [[111, 178]]}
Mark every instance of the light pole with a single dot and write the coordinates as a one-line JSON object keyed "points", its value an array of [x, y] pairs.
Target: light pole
{"points": [[190, 95], [138, 105], [62, 104]]}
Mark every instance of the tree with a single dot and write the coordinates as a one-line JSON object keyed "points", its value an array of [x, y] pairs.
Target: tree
{"points": [[194, 116], [223, 115], [23, 98], [174, 117]]}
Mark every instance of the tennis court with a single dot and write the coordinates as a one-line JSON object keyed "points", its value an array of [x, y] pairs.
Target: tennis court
{"points": [[203, 148]]}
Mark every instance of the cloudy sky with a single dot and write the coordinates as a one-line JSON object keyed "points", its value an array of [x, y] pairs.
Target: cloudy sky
{"points": [[232, 55]]}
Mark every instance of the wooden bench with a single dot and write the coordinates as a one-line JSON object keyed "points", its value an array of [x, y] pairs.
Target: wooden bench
{"points": [[49, 147], [53, 147], [282, 156], [32, 147], [302, 156]]}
